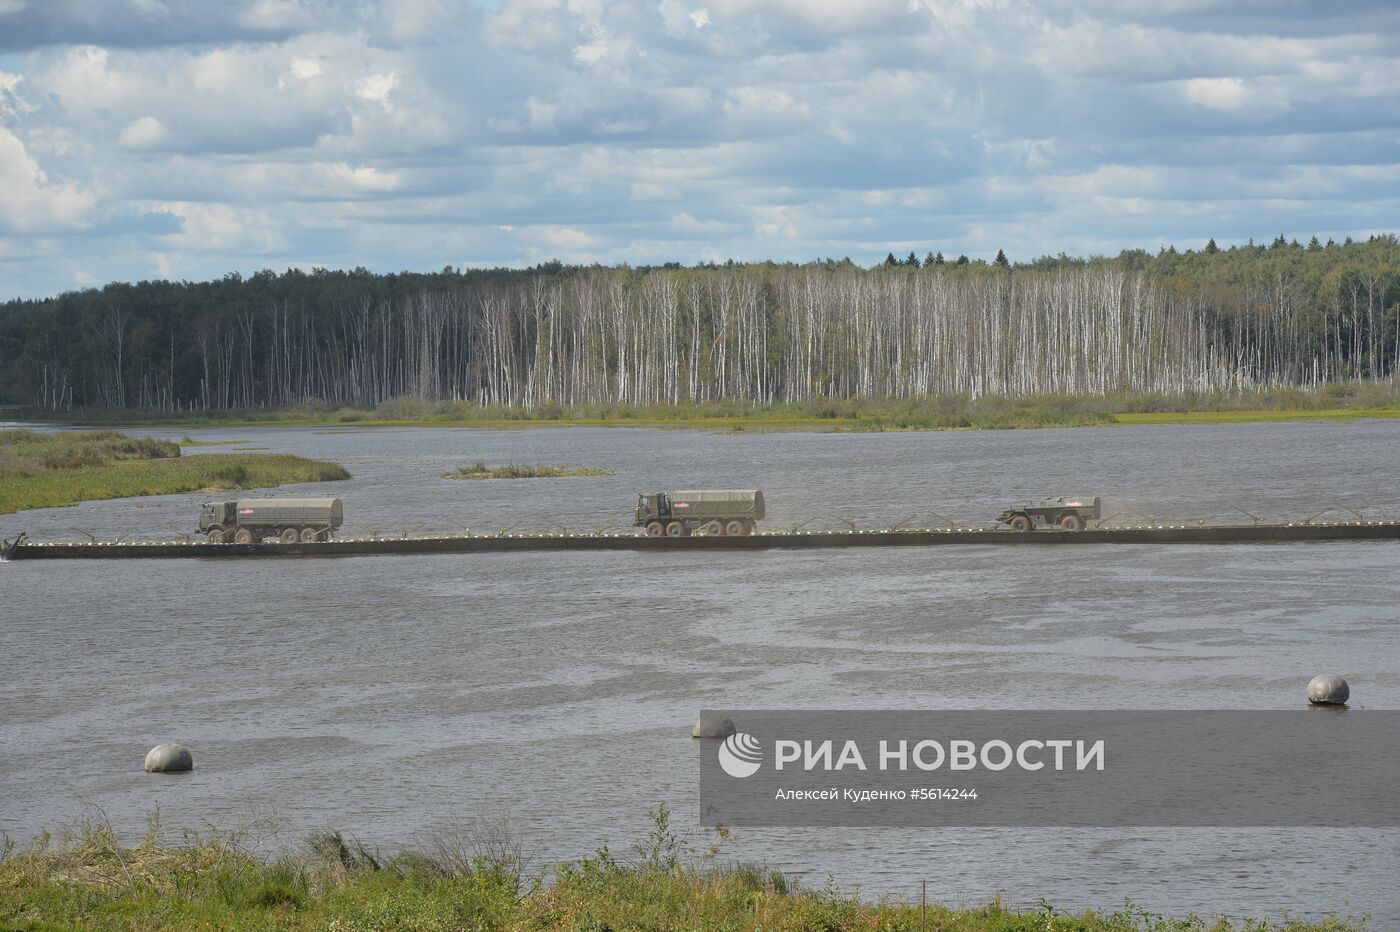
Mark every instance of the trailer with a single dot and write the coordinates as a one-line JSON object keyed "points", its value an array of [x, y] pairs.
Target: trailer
{"points": [[290, 520], [1063, 512], [713, 512]]}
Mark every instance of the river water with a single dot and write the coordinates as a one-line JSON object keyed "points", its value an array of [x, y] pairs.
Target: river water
{"points": [[392, 696]]}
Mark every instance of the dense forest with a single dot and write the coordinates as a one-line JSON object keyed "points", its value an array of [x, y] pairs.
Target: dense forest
{"points": [[1199, 320]]}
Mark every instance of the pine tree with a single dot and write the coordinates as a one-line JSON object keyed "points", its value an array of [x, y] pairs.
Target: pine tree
{"points": [[1001, 259], [938, 259], [930, 260], [891, 260], [912, 261], [1211, 248], [963, 260], [1313, 244]]}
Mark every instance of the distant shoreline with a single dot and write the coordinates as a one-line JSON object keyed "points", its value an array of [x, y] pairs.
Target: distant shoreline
{"points": [[1375, 400]]}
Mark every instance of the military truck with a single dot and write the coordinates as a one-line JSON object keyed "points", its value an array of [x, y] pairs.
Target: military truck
{"points": [[1065, 512], [249, 520], [715, 513]]}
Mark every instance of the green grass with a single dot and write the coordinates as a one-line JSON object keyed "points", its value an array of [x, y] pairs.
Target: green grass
{"points": [[479, 470], [952, 412], [40, 470], [476, 877], [1247, 416]]}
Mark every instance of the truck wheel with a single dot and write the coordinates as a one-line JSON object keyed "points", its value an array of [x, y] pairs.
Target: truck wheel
{"points": [[675, 529], [714, 529], [734, 528], [243, 536], [308, 535], [1072, 522], [216, 535], [654, 529], [1020, 524], [290, 535]]}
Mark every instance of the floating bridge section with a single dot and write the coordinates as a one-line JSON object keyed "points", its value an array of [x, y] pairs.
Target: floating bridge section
{"points": [[793, 540]]}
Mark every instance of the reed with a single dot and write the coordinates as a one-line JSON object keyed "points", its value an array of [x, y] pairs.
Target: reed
{"points": [[479, 470]]}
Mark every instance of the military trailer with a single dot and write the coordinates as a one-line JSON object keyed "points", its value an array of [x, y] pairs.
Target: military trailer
{"points": [[290, 520], [715, 513], [1065, 512]]}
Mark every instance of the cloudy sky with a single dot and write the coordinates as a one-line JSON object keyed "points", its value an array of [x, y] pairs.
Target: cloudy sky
{"points": [[190, 138]]}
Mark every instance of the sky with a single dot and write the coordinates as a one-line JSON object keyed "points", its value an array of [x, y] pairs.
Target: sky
{"points": [[186, 139]]}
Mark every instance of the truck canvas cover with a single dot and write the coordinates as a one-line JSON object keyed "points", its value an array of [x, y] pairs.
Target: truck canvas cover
{"points": [[747, 503], [290, 510]]}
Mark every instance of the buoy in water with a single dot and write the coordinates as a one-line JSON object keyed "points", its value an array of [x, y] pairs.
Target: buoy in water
{"points": [[712, 726], [169, 758], [1328, 689]]}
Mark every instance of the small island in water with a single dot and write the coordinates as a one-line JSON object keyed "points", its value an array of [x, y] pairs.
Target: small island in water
{"points": [[479, 470], [48, 470]]}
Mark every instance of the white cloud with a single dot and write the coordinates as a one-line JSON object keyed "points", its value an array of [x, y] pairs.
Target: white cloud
{"points": [[685, 223], [32, 202], [305, 68], [144, 133], [222, 228], [1228, 95], [406, 133], [829, 16], [362, 179], [277, 15], [567, 238], [601, 48], [377, 87]]}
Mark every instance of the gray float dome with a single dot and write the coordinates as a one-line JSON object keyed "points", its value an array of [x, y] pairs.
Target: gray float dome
{"points": [[712, 726], [1328, 689], [169, 758]]}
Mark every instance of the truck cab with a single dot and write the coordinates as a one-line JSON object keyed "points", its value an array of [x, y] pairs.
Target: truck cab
{"points": [[220, 514], [652, 505]]}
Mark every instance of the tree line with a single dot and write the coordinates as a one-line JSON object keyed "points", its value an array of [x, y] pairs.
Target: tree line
{"points": [[1175, 322]]}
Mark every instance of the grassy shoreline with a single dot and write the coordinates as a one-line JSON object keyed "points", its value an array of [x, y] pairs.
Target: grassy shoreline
{"points": [[52, 470], [1333, 402], [478, 876]]}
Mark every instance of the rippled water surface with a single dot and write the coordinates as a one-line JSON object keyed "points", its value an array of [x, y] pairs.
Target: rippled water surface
{"points": [[387, 696]]}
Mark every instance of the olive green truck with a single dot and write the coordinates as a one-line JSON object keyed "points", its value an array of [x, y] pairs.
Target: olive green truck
{"points": [[715, 513], [290, 520], [1063, 512]]}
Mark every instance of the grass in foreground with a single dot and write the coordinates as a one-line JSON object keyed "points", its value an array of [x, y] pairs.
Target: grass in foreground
{"points": [[1379, 399], [477, 877], [47, 470], [479, 470]]}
